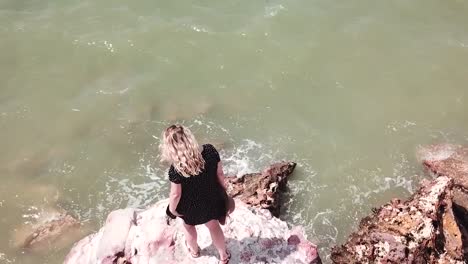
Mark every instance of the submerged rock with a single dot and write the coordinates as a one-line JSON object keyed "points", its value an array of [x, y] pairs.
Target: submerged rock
{"points": [[53, 228], [253, 235], [50, 231], [44, 224], [430, 227]]}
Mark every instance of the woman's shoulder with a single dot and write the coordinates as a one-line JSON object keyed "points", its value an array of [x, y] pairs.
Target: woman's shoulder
{"points": [[211, 152], [207, 147], [174, 176]]}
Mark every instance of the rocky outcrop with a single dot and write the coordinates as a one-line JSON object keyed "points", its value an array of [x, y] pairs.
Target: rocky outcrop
{"points": [[452, 161], [430, 227], [133, 236], [253, 235], [420, 230], [262, 189]]}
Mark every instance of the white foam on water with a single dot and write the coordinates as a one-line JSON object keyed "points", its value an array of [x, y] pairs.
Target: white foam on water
{"points": [[150, 183], [108, 45], [397, 126], [199, 29], [434, 153], [355, 195], [4, 258], [400, 174], [272, 11], [244, 159], [100, 44], [378, 182], [112, 92], [35, 215], [63, 168]]}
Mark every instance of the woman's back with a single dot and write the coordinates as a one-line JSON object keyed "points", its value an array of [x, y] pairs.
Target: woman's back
{"points": [[198, 192], [203, 197]]}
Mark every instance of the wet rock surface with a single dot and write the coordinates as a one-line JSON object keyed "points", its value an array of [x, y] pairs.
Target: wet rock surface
{"points": [[430, 227], [51, 230], [262, 189], [452, 161], [252, 233]]}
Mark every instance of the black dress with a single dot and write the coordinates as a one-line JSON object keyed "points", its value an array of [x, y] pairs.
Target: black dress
{"points": [[203, 197]]}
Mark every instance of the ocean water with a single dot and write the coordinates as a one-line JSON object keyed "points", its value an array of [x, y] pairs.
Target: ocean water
{"points": [[347, 89]]}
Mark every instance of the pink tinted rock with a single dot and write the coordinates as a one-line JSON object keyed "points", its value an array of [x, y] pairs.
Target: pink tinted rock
{"points": [[294, 240], [150, 240], [253, 235], [111, 242]]}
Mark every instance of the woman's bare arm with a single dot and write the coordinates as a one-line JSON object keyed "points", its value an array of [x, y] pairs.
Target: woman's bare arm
{"points": [[220, 173], [174, 198]]}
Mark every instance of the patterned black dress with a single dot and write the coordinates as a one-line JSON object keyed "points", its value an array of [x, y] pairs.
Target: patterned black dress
{"points": [[203, 197]]}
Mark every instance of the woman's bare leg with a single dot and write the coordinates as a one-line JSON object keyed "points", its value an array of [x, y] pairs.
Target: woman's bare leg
{"points": [[217, 236], [191, 237]]}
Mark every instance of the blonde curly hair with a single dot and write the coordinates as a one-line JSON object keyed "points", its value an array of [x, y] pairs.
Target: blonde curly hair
{"points": [[179, 147]]}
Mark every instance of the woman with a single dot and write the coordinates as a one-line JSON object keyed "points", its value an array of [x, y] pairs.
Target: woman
{"points": [[198, 193]]}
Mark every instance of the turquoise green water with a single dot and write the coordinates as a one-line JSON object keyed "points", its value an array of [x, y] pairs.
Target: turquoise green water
{"points": [[346, 89]]}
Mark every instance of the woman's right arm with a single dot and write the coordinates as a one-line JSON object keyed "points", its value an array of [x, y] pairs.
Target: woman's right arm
{"points": [[174, 198], [221, 177]]}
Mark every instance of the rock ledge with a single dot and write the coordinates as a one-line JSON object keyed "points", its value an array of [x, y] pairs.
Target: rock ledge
{"points": [[253, 234]]}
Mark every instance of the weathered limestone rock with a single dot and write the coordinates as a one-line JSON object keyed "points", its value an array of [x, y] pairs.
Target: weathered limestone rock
{"points": [[420, 230], [262, 189], [430, 227], [452, 161], [253, 235], [144, 237]]}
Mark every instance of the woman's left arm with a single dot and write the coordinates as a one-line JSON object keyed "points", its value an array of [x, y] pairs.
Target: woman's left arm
{"points": [[174, 198]]}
